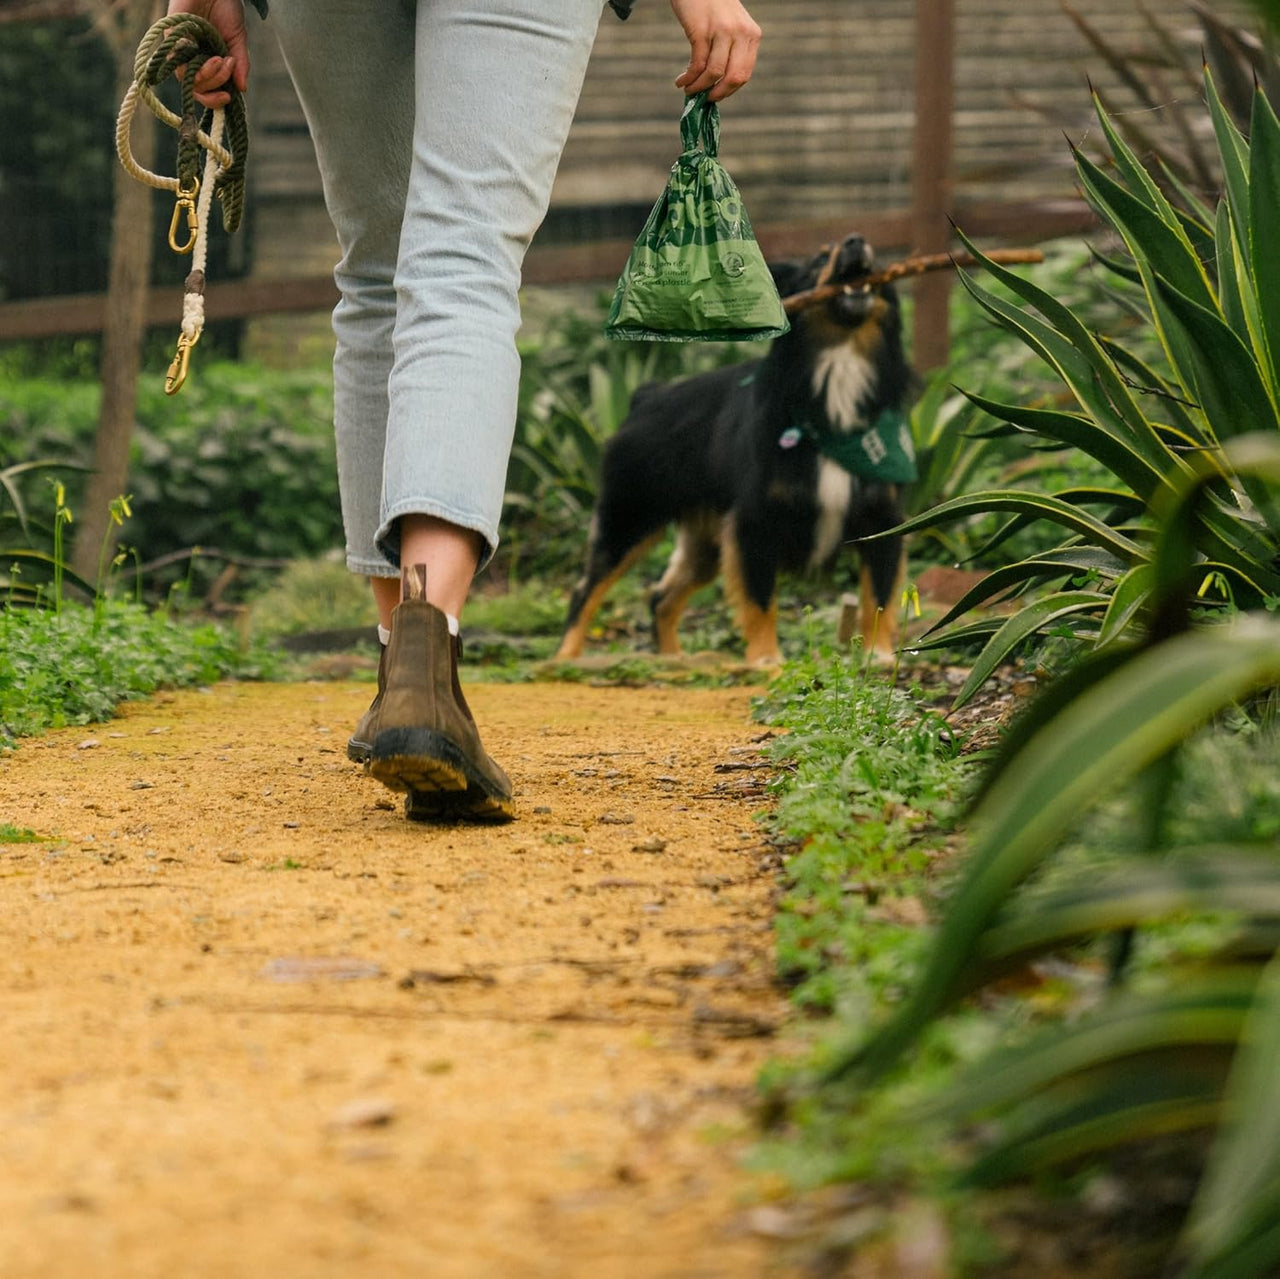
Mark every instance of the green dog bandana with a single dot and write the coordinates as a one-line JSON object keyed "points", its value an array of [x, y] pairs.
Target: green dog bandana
{"points": [[884, 452]]}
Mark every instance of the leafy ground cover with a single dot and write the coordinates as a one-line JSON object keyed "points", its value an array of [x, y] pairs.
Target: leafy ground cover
{"points": [[76, 665]]}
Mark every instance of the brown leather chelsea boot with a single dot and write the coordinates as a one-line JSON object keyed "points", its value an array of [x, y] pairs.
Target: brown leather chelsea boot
{"points": [[360, 743], [422, 736]]}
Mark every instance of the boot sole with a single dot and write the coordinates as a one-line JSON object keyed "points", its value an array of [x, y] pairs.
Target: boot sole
{"points": [[417, 759], [442, 784], [472, 805]]}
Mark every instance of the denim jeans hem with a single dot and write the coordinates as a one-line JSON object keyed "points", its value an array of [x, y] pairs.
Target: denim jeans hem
{"points": [[426, 506], [371, 568]]}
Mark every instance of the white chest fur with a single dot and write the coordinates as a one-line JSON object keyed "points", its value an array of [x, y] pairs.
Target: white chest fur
{"points": [[835, 489], [842, 376]]}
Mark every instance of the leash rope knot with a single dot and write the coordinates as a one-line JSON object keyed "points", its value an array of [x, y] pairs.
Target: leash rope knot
{"points": [[184, 39]]}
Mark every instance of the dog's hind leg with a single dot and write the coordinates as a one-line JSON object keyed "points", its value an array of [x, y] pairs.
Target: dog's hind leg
{"points": [[750, 575], [604, 567], [884, 566], [694, 562]]}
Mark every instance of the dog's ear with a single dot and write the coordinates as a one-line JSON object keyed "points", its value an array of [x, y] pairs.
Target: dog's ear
{"points": [[790, 277]]}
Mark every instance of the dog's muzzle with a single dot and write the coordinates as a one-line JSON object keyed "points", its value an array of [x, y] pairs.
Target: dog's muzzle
{"points": [[854, 262]]}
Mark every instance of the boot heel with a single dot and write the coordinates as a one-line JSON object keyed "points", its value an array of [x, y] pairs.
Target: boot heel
{"points": [[417, 759]]}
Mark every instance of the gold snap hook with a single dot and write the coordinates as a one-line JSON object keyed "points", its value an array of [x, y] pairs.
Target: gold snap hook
{"points": [[186, 200], [177, 374]]}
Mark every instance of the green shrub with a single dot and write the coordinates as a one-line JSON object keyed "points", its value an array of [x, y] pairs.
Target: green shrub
{"points": [[313, 595], [242, 460], [75, 665]]}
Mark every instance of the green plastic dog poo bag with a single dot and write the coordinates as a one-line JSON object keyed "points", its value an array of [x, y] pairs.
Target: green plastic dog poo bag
{"points": [[696, 273]]}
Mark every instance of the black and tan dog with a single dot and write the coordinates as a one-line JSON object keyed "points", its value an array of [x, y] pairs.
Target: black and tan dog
{"points": [[765, 466]]}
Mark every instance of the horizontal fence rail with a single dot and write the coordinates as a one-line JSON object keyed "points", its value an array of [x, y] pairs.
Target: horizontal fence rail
{"points": [[1028, 222]]}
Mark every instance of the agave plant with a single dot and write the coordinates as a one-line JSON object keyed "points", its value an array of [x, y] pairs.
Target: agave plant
{"points": [[1144, 576], [1211, 280], [1198, 1053]]}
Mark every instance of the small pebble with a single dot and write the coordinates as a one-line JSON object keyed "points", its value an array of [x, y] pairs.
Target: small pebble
{"points": [[364, 1112]]}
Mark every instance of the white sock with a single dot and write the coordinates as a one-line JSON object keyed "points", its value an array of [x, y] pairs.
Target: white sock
{"points": [[384, 635]]}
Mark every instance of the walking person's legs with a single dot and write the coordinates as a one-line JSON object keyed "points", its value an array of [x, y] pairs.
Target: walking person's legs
{"points": [[438, 128]]}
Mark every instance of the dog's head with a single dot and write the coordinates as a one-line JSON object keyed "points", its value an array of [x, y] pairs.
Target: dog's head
{"points": [[845, 348], [858, 311]]}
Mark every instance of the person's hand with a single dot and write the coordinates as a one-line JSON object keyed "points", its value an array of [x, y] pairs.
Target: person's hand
{"points": [[723, 41], [228, 17]]}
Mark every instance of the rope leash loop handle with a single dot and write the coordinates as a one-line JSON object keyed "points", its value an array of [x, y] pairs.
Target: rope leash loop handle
{"points": [[189, 41]]}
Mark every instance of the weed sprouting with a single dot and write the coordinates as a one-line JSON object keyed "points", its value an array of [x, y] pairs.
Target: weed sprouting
{"points": [[11, 834], [61, 518], [870, 780]]}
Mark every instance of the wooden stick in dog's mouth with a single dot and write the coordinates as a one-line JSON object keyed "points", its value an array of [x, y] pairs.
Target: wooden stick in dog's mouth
{"points": [[823, 292]]}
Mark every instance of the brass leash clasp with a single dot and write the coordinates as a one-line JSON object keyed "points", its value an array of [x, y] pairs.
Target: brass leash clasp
{"points": [[177, 374], [186, 200]]}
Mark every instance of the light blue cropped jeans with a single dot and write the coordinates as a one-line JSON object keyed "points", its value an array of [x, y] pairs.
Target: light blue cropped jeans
{"points": [[438, 126]]}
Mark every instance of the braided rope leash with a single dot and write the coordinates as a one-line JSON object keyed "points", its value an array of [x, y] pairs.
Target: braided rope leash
{"points": [[184, 39]]}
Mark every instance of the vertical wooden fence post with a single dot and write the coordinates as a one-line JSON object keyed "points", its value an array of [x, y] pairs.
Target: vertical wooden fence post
{"points": [[931, 174]]}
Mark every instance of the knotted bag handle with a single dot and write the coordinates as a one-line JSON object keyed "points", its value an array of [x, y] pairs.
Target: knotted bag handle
{"points": [[700, 123]]}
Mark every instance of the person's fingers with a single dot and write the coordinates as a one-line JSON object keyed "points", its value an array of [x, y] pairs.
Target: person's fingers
{"points": [[742, 62], [699, 47], [723, 41], [717, 59], [212, 74]]}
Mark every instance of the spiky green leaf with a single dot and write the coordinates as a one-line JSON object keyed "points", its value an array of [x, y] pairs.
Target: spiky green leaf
{"points": [[1221, 370], [1104, 441], [1153, 243], [1109, 734], [1031, 620], [1242, 1182], [1233, 151], [1035, 505], [1264, 227]]}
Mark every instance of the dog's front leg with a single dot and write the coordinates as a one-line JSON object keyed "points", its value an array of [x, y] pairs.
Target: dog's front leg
{"points": [[750, 560]]}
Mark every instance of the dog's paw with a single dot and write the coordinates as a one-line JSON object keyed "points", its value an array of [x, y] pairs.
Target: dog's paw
{"points": [[881, 659]]}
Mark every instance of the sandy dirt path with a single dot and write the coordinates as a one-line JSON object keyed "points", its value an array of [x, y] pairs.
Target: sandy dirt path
{"points": [[256, 1024]]}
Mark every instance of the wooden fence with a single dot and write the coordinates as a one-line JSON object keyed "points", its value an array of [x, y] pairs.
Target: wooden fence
{"points": [[878, 116]]}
